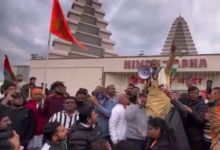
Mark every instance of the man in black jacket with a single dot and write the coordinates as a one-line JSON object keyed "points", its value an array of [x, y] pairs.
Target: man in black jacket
{"points": [[22, 118], [85, 131], [195, 120]]}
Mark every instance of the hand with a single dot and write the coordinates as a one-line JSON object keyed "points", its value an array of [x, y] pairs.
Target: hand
{"points": [[5, 122], [206, 116], [188, 108], [7, 98], [169, 94], [15, 82], [173, 46], [163, 87], [188, 85], [176, 96], [93, 100]]}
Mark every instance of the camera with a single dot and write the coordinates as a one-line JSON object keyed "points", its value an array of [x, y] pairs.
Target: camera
{"points": [[16, 95]]}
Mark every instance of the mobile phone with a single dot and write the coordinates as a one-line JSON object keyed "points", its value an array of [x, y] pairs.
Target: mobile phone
{"points": [[209, 86], [189, 80]]}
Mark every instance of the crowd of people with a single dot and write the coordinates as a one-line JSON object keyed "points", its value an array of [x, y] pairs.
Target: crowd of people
{"points": [[33, 119]]}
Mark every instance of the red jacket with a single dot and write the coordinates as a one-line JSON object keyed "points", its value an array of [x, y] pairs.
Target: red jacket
{"points": [[40, 122]]}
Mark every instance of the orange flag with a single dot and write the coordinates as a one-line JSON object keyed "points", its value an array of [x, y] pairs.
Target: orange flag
{"points": [[59, 27]]}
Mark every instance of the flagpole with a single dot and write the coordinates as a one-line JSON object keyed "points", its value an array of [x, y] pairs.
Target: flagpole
{"points": [[46, 66]]}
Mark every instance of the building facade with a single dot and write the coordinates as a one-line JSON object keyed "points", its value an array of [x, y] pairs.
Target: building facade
{"points": [[120, 71]]}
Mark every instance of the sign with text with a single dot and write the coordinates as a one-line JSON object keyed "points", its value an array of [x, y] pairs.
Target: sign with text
{"points": [[183, 63]]}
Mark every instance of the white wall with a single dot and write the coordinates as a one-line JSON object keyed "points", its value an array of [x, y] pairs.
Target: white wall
{"points": [[73, 78]]}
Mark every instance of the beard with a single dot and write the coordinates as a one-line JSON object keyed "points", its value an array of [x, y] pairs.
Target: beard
{"points": [[129, 93], [17, 105], [20, 80], [59, 92], [79, 102]]}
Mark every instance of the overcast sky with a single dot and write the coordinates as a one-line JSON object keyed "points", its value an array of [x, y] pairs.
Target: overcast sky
{"points": [[135, 25]]}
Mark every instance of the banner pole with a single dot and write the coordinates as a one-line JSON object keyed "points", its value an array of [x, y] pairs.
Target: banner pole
{"points": [[46, 66]]}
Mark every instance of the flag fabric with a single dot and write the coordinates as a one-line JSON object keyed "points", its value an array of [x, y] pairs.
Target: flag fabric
{"points": [[59, 27], [175, 65], [9, 76]]}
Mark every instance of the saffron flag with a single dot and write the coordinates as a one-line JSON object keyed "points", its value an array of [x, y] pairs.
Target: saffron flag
{"points": [[59, 27], [9, 76]]}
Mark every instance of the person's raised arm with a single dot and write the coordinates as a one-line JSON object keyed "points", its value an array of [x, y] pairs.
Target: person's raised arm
{"points": [[174, 99], [171, 59]]}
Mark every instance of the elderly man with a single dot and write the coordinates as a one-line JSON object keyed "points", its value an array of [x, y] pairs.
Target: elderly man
{"points": [[158, 104], [117, 121]]}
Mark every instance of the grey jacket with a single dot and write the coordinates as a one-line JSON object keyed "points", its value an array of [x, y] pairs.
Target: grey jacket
{"points": [[175, 119], [137, 122]]}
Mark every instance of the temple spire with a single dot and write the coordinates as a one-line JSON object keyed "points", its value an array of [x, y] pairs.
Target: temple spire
{"points": [[87, 24], [181, 34]]}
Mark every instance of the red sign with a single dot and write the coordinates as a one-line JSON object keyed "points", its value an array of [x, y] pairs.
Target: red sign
{"points": [[195, 80], [136, 80], [184, 63]]}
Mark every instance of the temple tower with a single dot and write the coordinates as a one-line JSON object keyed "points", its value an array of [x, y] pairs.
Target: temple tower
{"points": [[183, 39], [85, 20]]}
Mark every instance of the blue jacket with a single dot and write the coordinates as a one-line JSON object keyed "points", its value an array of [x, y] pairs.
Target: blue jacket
{"points": [[104, 113]]}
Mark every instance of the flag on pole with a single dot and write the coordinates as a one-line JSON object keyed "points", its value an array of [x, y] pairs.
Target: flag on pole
{"points": [[175, 65], [59, 27], [9, 76]]}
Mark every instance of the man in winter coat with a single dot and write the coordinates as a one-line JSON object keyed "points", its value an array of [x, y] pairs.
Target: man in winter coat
{"points": [[85, 131], [56, 135], [176, 118]]}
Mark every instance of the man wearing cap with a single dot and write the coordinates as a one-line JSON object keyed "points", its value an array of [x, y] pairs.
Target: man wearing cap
{"points": [[158, 104], [36, 97]]}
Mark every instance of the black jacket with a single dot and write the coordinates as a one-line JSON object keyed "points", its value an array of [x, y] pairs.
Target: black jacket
{"points": [[176, 119], [162, 144], [23, 122], [195, 121], [82, 137], [54, 146]]}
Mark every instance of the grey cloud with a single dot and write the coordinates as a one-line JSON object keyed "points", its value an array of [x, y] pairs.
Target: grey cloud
{"points": [[140, 25]]}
